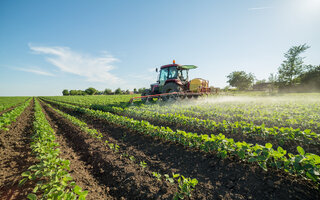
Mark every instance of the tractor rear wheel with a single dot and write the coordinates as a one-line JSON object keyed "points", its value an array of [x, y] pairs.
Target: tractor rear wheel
{"points": [[169, 88]]}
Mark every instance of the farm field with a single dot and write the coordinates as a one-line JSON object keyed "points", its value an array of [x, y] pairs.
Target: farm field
{"points": [[102, 147]]}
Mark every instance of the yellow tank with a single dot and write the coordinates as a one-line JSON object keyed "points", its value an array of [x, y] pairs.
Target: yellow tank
{"points": [[197, 84]]}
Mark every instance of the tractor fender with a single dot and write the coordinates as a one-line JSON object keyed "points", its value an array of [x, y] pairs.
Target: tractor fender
{"points": [[177, 81]]}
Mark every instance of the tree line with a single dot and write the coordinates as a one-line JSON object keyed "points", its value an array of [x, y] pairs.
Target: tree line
{"points": [[292, 75], [107, 91]]}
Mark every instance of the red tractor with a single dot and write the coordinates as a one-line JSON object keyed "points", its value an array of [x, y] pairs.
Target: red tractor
{"points": [[173, 83]]}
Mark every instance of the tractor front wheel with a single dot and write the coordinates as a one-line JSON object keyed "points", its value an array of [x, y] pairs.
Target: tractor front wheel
{"points": [[145, 93]]}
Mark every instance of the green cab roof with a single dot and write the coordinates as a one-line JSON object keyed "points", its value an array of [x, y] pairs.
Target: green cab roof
{"points": [[188, 66]]}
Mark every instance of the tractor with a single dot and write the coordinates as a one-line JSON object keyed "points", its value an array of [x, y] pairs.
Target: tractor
{"points": [[173, 83]]}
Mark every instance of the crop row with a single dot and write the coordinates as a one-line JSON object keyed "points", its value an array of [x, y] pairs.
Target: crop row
{"points": [[296, 115], [51, 172], [304, 164], [184, 184], [7, 102], [7, 118], [193, 117], [282, 111], [239, 127], [89, 100]]}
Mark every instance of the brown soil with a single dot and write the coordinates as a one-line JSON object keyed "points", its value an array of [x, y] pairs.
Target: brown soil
{"points": [[7, 110], [104, 173], [15, 156], [11, 108], [289, 145], [218, 179]]}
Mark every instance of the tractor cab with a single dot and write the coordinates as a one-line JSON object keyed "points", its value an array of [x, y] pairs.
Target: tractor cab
{"points": [[172, 74]]}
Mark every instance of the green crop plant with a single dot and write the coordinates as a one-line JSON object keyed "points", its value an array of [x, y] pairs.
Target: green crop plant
{"points": [[186, 185], [157, 175], [265, 156], [7, 118], [82, 125], [114, 147], [169, 179], [132, 158], [143, 164], [51, 172], [9, 102]]}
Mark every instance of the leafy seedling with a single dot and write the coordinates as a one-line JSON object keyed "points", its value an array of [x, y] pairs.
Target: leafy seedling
{"points": [[143, 164], [169, 179], [157, 175], [132, 158]]}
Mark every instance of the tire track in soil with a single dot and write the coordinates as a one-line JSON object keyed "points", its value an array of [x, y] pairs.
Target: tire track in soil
{"points": [[120, 177], [218, 179], [16, 156]]}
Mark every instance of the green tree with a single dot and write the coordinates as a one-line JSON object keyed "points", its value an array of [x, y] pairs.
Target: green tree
{"points": [[260, 81], [272, 78], [240, 79], [135, 90], [292, 67], [73, 92], [65, 92], [81, 92], [140, 90], [311, 77], [107, 91], [118, 91], [91, 91]]}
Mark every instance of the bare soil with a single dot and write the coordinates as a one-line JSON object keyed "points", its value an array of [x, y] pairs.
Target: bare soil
{"points": [[15, 156], [104, 173], [289, 145], [218, 179]]}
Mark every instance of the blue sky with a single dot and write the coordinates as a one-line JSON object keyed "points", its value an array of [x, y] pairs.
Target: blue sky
{"points": [[48, 46]]}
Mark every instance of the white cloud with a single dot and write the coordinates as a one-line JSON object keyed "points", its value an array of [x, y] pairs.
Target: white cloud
{"points": [[95, 69], [260, 8], [35, 71]]}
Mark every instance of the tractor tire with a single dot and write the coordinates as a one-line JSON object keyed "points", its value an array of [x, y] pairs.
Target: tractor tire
{"points": [[169, 88]]}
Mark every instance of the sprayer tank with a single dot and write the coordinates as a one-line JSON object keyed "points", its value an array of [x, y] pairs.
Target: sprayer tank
{"points": [[197, 84]]}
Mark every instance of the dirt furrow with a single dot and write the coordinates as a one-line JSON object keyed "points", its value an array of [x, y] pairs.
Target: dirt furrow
{"points": [[12, 107], [118, 176], [289, 145], [224, 179], [15, 156]]}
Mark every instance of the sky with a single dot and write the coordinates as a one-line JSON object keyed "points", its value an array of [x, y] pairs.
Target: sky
{"points": [[47, 46]]}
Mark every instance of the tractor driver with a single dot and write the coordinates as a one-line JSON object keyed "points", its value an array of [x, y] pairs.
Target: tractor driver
{"points": [[172, 72]]}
